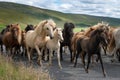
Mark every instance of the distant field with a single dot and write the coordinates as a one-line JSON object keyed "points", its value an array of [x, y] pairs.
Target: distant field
{"points": [[78, 29]]}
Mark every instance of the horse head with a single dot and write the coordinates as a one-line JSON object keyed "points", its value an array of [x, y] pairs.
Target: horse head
{"points": [[58, 34], [16, 32], [49, 26], [103, 37]]}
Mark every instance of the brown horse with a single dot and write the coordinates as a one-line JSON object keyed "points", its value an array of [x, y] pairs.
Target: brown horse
{"points": [[6, 29], [91, 45], [12, 39]]}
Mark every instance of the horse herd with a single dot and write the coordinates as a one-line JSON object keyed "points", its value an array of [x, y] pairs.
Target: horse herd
{"points": [[47, 39]]}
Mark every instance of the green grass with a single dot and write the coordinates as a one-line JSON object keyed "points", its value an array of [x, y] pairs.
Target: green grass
{"points": [[10, 71], [78, 29]]}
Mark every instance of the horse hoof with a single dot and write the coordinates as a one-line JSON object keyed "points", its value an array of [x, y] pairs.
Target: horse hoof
{"points": [[112, 61], [86, 70], [104, 74], [60, 67]]}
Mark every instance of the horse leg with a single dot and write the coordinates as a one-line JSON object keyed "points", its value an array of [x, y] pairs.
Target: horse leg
{"points": [[74, 54], [83, 58], [99, 56], [58, 56], [50, 57], [89, 61], [61, 57], [1, 47], [104, 48], [114, 54], [39, 55], [77, 55], [28, 54], [70, 54]]}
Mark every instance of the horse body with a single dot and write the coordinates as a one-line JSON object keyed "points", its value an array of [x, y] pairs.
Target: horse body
{"points": [[90, 45], [36, 39], [12, 39], [54, 45], [116, 42]]}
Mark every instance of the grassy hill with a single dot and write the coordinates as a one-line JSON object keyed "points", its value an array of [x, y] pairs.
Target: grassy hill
{"points": [[24, 14]]}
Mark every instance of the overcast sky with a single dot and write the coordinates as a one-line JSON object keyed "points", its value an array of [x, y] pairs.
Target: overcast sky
{"points": [[109, 8]]}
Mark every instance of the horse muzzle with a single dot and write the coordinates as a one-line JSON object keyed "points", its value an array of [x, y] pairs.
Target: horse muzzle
{"points": [[51, 37]]}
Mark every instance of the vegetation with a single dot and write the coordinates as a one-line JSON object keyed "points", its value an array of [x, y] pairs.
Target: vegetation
{"points": [[24, 14], [10, 71]]}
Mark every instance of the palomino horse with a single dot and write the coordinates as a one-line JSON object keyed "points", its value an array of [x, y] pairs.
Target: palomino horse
{"points": [[91, 45], [67, 35], [36, 39], [12, 39], [54, 45]]}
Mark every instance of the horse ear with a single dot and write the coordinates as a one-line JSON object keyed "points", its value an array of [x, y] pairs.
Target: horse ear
{"points": [[44, 23], [17, 24]]}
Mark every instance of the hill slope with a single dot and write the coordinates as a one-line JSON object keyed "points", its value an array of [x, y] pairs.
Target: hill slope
{"points": [[24, 14]]}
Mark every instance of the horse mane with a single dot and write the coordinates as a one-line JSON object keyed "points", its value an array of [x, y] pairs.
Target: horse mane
{"points": [[100, 25], [94, 32], [39, 28], [87, 32]]}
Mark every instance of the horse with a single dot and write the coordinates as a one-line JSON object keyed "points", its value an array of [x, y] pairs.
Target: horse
{"points": [[91, 45], [67, 36], [115, 43], [36, 38], [29, 27], [54, 45], [12, 39], [6, 29]]}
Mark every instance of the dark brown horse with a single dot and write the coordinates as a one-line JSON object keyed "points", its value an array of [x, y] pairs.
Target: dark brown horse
{"points": [[6, 29], [91, 45], [12, 39], [67, 35]]}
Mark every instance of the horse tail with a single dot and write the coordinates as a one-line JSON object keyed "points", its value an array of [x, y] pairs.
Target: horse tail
{"points": [[112, 44]]}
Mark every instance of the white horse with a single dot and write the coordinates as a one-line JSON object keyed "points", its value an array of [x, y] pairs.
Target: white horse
{"points": [[37, 38], [54, 45]]}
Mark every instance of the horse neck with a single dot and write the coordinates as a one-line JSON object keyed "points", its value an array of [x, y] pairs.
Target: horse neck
{"points": [[41, 34], [56, 39], [94, 41]]}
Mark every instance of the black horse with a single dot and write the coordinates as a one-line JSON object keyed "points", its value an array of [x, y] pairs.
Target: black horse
{"points": [[67, 35], [91, 45], [29, 27]]}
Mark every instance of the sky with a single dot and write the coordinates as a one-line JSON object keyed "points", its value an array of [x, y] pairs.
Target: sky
{"points": [[107, 8]]}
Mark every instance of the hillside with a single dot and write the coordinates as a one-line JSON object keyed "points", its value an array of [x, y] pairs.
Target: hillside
{"points": [[24, 14]]}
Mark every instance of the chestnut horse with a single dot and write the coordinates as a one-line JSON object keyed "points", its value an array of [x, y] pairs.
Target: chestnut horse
{"points": [[12, 39], [36, 39]]}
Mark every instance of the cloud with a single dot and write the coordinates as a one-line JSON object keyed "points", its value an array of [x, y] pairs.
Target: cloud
{"points": [[108, 8]]}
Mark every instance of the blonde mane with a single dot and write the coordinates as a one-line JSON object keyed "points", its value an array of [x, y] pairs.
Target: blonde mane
{"points": [[40, 27]]}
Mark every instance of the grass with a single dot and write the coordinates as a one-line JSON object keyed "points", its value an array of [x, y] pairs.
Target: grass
{"points": [[10, 71], [78, 29]]}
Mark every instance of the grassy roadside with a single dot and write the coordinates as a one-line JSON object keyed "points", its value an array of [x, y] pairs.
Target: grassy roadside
{"points": [[10, 71]]}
